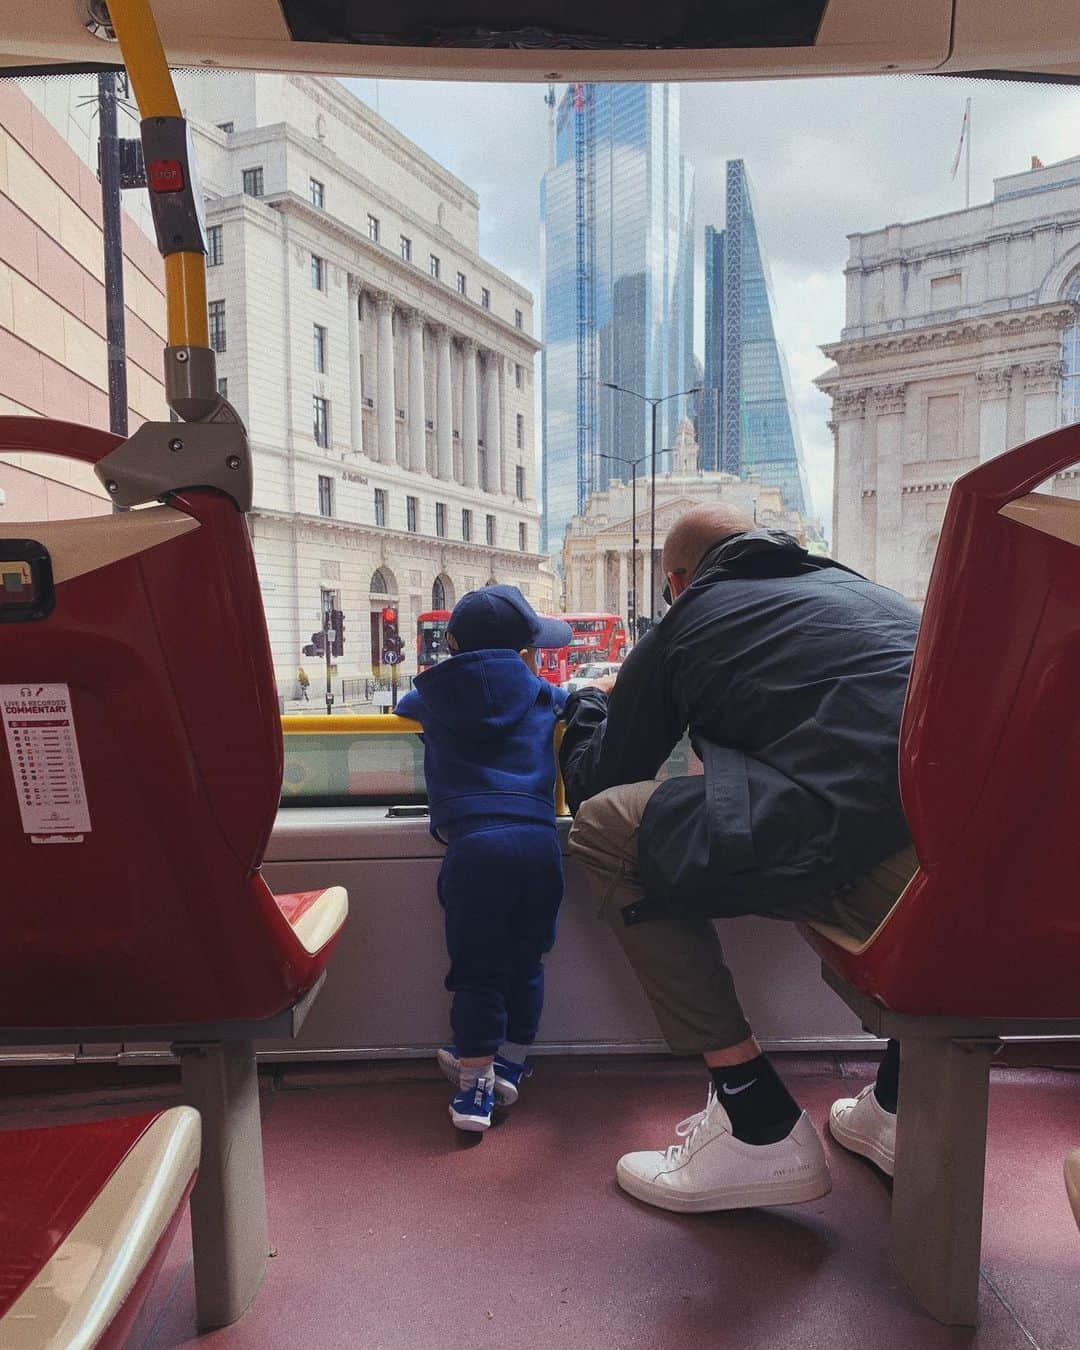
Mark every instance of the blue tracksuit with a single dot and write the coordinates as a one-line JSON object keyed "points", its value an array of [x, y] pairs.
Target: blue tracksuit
{"points": [[489, 762]]}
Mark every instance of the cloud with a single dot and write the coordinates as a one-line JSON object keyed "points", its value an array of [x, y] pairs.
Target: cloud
{"points": [[826, 158]]}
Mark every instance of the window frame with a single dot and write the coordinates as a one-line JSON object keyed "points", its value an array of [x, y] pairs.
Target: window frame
{"points": [[466, 524], [435, 266], [412, 514], [215, 245], [318, 273], [381, 501], [373, 227], [319, 340], [258, 180], [317, 192], [485, 297], [218, 325], [326, 496], [491, 530], [320, 421], [462, 284], [440, 520]]}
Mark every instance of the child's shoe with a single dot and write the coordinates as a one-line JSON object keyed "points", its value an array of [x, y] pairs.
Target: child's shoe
{"points": [[508, 1075], [471, 1107]]}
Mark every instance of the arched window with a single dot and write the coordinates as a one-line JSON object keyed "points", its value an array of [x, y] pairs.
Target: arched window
{"points": [[438, 594], [378, 583], [1070, 355]]}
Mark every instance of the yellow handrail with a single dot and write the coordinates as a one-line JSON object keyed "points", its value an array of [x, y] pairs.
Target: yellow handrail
{"points": [[389, 724], [185, 273]]}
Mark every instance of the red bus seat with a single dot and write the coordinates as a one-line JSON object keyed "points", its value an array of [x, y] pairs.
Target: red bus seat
{"points": [[1072, 1182], [133, 905], [985, 939], [87, 1213]]}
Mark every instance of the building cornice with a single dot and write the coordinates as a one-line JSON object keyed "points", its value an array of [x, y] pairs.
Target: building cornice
{"points": [[1009, 324], [464, 313], [382, 534]]}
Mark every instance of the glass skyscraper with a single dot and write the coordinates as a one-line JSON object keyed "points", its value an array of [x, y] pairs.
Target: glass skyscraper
{"points": [[617, 208], [748, 423]]}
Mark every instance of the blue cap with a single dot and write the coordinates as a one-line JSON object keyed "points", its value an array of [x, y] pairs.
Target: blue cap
{"points": [[500, 616]]}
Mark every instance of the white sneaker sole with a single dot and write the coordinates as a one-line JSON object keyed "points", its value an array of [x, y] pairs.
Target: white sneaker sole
{"points": [[870, 1149], [474, 1124], [759, 1194], [506, 1094]]}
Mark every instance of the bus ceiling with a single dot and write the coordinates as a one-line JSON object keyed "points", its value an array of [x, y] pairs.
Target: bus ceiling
{"points": [[555, 40]]}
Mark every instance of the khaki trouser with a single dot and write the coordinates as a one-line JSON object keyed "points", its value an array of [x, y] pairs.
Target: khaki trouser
{"points": [[680, 962]]}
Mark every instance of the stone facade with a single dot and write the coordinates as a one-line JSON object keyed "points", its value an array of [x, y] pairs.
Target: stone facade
{"points": [[52, 296], [956, 347], [390, 409], [598, 548]]}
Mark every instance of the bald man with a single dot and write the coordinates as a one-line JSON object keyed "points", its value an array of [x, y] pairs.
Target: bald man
{"points": [[789, 671]]}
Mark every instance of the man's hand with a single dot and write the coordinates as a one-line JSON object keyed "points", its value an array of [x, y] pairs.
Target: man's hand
{"points": [[606, 683]]}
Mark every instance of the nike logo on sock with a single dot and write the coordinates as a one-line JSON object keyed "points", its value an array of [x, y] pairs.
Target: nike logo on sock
{"points": [[734, 1092]]}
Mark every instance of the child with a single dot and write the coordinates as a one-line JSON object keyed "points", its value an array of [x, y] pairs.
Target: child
{"points": [[489, 761]]}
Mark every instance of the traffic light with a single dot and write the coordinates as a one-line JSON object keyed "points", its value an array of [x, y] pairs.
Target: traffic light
{"points": [[317, 645], [337, 623], [392, 641]]}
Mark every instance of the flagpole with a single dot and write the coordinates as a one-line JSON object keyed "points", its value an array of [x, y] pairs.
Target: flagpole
{"points": [[967, 160]]}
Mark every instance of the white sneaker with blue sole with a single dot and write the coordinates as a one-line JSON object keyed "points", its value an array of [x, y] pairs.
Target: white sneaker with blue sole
{"points": [[508, 1075]]}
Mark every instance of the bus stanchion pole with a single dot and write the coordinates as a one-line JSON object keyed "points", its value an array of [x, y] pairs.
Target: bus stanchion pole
{"points": [[326, 650]]}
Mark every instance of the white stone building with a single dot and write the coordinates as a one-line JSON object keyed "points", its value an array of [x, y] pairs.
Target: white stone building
{"points": [[960, 341], [597, 553], [384, 370]]}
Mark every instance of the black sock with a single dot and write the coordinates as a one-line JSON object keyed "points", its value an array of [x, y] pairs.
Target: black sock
{"points": [[761, 1108], [887, 1086]]}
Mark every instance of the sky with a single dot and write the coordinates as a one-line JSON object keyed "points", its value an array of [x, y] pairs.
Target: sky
{"points": [[826, 158]]}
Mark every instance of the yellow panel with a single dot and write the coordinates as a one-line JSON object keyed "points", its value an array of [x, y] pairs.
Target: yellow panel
{"points": [[32, 190], [85, 352], [37, 320], [80, 237], [7, 314]]}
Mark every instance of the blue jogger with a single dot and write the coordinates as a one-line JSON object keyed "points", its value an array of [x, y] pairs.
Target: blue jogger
{"points": [[501, 885]]}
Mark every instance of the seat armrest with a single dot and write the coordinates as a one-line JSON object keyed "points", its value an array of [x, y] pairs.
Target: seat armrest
{"points": [[315, 916]]}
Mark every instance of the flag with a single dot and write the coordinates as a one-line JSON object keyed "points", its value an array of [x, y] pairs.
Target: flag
{"points": [[963, 136]]}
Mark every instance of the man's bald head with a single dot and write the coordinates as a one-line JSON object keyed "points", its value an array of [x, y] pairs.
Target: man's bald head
{"points": [[694, 533]]}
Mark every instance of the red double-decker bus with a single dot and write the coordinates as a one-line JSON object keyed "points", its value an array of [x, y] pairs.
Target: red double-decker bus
{"points": [[596, 637], [431, 645]]}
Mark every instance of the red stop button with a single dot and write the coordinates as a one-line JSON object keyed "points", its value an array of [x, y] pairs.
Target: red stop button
{"points": [[165, 175]]}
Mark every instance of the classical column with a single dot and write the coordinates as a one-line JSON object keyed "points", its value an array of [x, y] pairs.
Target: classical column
{"points": [[356, 376], [470, 453], [849, 408], [492, 438], [444, 414], [387, 403], [417, 413], [995, 387], [623, 606], [507, 432], [888, 566]]}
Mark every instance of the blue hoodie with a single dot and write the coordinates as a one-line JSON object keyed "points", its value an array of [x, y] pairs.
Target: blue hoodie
{"points": [[489, 729]]}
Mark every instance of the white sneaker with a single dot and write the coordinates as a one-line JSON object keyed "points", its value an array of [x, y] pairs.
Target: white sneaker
{"points": [[866, 1128], [711, 1169]]}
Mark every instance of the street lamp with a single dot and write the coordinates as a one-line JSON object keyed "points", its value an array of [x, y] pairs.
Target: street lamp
{"points": [[633, 533], [653, 403]]}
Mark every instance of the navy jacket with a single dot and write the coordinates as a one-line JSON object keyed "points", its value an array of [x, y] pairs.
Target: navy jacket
{"points": [[489, 737], [790, 672]]}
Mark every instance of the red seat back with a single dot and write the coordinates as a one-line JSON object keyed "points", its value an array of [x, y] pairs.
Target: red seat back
{"points": [[990, 759], [157, 913]]}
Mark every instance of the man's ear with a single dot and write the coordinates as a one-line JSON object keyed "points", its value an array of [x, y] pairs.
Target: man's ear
{"points": [[451, 642]]}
